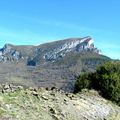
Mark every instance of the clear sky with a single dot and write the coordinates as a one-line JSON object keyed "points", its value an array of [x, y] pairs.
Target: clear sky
{"points": [[39, 21]]}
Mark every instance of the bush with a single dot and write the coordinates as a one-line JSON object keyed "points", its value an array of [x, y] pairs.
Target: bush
{"points": [[106, 79], [83, 81]]}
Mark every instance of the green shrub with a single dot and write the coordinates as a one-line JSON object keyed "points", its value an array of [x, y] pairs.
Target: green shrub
{"points": [[83, 81], [106, 79]]}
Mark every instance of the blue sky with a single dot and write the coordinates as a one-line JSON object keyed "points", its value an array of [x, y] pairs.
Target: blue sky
{"points": [[39, 21]]}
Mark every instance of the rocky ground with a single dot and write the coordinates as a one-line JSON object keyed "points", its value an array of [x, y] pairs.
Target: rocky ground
{"points": [[17, 103]]}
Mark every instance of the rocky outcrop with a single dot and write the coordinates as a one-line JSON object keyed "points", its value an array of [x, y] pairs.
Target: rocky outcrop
{"points": [[7, 88], [8, 53], [74, 45]]}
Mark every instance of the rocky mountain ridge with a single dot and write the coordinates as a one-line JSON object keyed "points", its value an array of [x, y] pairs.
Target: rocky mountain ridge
{"points": [[57, 50]]}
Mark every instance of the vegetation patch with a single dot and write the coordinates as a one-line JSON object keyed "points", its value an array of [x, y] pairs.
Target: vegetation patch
{"points": [[106, 79], [2, 112]]}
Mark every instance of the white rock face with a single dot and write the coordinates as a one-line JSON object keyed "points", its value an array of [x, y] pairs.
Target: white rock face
{"points": [[72, 44], [76, 45], [8, 53]]}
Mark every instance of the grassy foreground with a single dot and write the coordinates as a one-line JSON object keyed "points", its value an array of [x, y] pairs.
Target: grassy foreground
{"points": [[42, 104]]}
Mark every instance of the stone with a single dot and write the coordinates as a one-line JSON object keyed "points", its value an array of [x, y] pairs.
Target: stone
{"points": [[31, 88], [13, 89], [53, 94], [44, 97], [6, 87], [20, 87], [52, 110], [55, 117], [35, 93], [53, 88]]}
